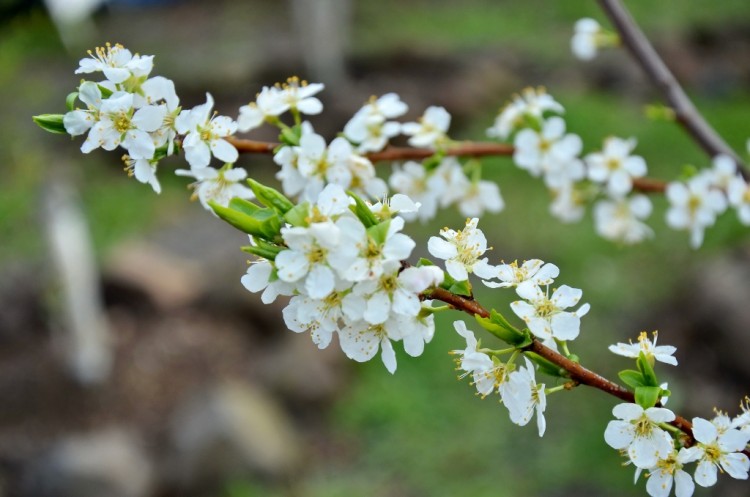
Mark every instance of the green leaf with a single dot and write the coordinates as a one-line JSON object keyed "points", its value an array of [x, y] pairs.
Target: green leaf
{"points": [[106, 92], [50, 122], [245, 206], [424, 262], [379, 232], [70, 100], [632, 378], [297, 215], [264, 224], [271, 197], [647, 396], [291, 136], [461, 288], [362, 211], [547, 367], [645, 367], [499, 326]]}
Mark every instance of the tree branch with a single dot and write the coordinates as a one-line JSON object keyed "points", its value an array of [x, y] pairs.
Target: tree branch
{"points": [[578, 373], [466, 149], [660, 75]]}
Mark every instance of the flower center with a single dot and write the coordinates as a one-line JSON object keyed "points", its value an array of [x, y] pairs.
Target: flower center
{"points": [[121, 122], [317, 255]]}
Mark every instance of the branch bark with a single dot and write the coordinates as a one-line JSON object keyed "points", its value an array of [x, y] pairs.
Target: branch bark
{"points": [[662, 78]]}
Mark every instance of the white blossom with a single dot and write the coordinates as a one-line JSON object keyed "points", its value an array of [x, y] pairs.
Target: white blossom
{"points": [[480, 196], [361, 340], [413, 180], [431, 129], [661, 353], [584, 42], [219, 186], [522, 396], [569, 203], [267, 103], [694, 206], [615, 167], [261, 275], [116, 62], [551, 153], [144, 170], [636, 430], [205, 135], [370, 128], [738, 192], [719, 449], [461, 251], [723, 171], [534, 270], [372, 255], [546, 316], [531, 103], [78, 121], [669, 471], [619, 219]]}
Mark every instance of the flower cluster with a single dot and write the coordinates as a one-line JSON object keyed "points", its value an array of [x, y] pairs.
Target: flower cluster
{"points": [[696, 203], [645, 436], [142, 114], [518, 389], [544, 149], [347, 279]]}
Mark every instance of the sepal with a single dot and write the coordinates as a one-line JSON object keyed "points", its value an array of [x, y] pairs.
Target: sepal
{"points": [[51, 122]]}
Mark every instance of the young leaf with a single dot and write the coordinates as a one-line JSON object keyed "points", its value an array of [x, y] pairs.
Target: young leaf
{"points": [[647, 396], [50, 122], [632, 378]]}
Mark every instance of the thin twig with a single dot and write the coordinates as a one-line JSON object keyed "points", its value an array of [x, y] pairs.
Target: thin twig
{"points": [[466, 149], [578, 373], [660, 75]]}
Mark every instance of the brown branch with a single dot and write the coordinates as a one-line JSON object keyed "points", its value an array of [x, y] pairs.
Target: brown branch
{"points": [[576, 372], [467, 149], [660, 75]]}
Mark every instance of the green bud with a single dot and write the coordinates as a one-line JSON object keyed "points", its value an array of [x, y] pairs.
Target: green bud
{"points": [[244, 206], [265, 223], [50, 122], [270, 197], [646, 367], [362, 211], [501, 328]]}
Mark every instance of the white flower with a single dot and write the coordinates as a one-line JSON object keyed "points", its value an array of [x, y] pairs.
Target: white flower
{"points": [[584, 42], [318, 316], [413, 180], [144, 171], [723, 172], [523, 397], [461, 251], [719, 448], [78, 121], [550, 152], [116, 62], [546, 317], [742, 420], [530, 103], [694, 206], [267, 103], [416, 331], [155, 90], [431, 129], [661, 353], [620, 219], [120, 124], [314, 253], [534, 270], [637, 431], [361, 340], [372, 255], [738, 192], [261, 276], [569, 204], [615, 166], [370, 127], [488, 374], [219, 186], [393, 292], [668, 471], [298, 94], [204, 135], [480, 196]]}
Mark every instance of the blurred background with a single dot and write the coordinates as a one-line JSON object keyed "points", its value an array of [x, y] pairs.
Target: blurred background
{"points": [[134, 364]]}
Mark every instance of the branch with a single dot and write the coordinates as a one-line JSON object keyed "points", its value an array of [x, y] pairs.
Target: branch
{"points": [[466, 149], [577, 373], [660, 75]]}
